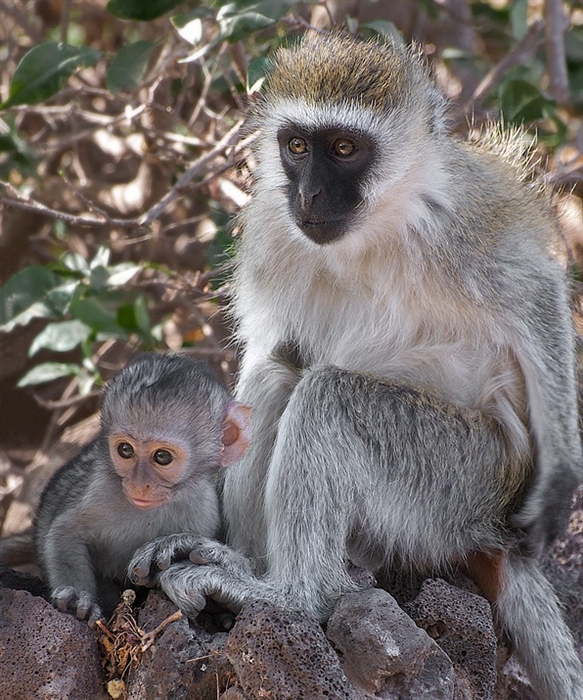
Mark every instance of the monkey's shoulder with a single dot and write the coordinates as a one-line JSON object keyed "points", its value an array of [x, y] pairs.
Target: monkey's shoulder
{"points": [[503, 194]]}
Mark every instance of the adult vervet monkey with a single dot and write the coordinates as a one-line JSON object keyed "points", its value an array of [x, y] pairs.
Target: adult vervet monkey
{"points": [[408, 354]]}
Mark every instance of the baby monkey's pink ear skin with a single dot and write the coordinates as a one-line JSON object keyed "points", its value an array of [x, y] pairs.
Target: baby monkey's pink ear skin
{"points": [[236, 433]]}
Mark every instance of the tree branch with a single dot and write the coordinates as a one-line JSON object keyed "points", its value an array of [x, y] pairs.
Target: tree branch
{"points": [[557, 23], [521, 53]]}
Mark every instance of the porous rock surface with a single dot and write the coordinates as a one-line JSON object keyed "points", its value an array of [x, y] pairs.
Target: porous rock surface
{"points": [[384, 653], [284, 655], [185, 662], [45, 654], [461, 623]]}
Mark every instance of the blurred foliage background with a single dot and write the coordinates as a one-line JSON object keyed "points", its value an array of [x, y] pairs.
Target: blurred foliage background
{"points": [[124, 156]]}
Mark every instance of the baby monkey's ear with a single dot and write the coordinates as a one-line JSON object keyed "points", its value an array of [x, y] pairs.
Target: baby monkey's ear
{"points": [[236, 433]]}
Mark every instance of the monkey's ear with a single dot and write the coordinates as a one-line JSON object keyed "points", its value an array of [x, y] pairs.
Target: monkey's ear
{"points": [[236, 433]]}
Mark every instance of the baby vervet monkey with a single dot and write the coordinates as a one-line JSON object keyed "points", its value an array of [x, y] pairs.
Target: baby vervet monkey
{"points": [[168, 426], [408, 352]]}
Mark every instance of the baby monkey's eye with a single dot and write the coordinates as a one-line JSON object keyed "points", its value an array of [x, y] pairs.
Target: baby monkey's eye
{"points": [[125, 450], [343, 147], [297, 145], [163, 457]]}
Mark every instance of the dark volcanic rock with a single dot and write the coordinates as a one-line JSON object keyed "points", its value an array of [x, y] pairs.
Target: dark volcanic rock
{"points": [[283, 655], [184, 662], [44, 653], [461, 623], [384, 653]]}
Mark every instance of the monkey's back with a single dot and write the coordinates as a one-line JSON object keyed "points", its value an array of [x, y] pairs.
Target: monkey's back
{"points": [[66, 488]]}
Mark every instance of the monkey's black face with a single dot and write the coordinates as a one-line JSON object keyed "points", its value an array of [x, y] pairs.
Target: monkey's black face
{"points": [[326, 171]]}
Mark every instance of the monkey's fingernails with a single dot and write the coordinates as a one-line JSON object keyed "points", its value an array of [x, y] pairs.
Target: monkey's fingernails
{"points": [[196, 558], [139, 574], [96, 614], [61, 604], [163, 562]]}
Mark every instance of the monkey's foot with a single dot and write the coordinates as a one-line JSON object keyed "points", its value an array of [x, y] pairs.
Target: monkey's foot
{"points": [[158, 555], [189, 585], [80, 603], [207, 551]]}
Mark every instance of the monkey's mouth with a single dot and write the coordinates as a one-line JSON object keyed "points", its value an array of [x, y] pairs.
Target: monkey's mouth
{"points": [[144, 504], [322, 232]]}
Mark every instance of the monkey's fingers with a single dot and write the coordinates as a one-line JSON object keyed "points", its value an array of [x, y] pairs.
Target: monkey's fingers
{"points": [[80, 603], [213, 552], [62, 597], [87, 609], [185, 588], [94, 615], [158, 555]]}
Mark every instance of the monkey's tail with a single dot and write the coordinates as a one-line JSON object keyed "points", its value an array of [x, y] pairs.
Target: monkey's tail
{"points": [[531, 615]]}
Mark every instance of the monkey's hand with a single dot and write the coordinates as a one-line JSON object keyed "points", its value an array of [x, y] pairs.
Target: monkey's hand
{"points": [[81, 603], [545, 513], [148, 561], [189, 585], [206, 551]]}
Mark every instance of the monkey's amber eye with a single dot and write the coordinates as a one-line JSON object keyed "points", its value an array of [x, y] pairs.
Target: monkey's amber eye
{"points": [[343, 147], [125, 450], [163, 457], [297, 145]]}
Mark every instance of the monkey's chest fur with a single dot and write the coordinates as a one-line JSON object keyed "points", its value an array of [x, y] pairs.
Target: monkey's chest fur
{"points": [[400, 323]]}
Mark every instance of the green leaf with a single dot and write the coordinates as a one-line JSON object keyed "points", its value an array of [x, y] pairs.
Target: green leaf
{"points": [[44, 70], [60, 337], [256, 72], [385, 30], [93, 314], [141, 10], [189, 24], [76, 263], [523, 102], [129, 66], [101, 258], [122, 273], [87, 382], [142, 316], [49, 371], [98, 279], [235, 25], [20, 155], [135, 317], [519, 18], [22, 297], [275, 9]]}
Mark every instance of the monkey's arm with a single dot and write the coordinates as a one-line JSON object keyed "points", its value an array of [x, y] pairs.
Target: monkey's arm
{"points": [[265, 383], [543, 345], [70, 574], [62, 550], [214, 571]]}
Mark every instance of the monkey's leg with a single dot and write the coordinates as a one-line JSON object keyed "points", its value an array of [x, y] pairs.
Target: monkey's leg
{"points": [[392, 470], [386, 468], [266, 387]]}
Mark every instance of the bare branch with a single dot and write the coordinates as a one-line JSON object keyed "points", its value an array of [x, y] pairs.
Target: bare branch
{"points": [[521, 53], [28, 204], [557, 23], [195, 169]]}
